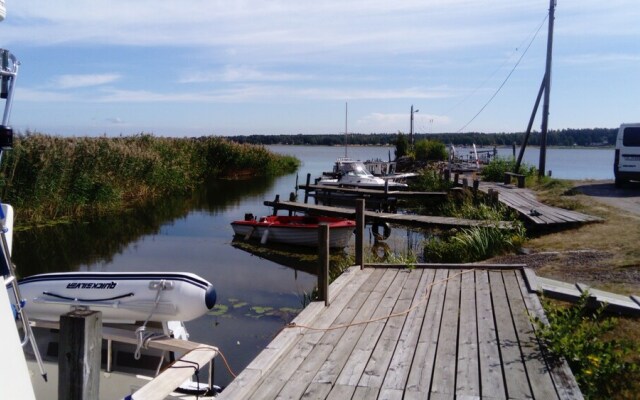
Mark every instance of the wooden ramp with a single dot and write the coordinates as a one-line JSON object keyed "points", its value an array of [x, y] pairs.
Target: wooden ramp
{"points": [[525, 203], [612, 302], [394, 333], [419, 221]]}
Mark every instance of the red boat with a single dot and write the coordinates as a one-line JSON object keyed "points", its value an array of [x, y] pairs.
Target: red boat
{"points": [[296, 230]]}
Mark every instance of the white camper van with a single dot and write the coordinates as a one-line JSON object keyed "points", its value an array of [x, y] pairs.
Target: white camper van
{"points": [[626, 166]]}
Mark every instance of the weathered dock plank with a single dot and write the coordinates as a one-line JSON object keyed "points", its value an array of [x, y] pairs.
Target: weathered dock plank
{"points": [[371, 217], [400, 365], [527, 205], [468, 370], [424, 332], [515, 375], [491, 371]]}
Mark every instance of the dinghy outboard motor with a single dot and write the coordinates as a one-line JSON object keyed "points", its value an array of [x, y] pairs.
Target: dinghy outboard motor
{"points": [[8, 72]]}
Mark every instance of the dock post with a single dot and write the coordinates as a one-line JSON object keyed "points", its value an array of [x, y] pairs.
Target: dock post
{"points": [[456, 176], [79, 353], [323, 263], [306, 188], [360, 233]]}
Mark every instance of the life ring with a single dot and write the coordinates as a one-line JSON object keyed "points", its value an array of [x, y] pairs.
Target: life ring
{"points": [[386, 231], [380, 251]]}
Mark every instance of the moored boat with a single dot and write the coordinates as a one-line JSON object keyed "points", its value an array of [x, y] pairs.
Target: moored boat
{"points": [[295, 230], [123, 297], [351, 173]]}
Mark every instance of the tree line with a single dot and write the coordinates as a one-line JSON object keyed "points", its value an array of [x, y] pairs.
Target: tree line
{"points": [[563, 137]]}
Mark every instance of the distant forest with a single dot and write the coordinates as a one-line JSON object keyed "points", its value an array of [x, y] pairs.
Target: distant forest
{"points": [[564, 137]]}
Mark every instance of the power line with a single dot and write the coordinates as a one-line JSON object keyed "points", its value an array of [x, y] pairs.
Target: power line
{"points": [[508, 76]]}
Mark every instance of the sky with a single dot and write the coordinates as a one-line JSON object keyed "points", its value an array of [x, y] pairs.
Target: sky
{"points": [[240, 67]]}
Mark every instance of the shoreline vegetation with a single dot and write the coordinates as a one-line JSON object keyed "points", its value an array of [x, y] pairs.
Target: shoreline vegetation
{"points": [[52, 179], [595, 137]]}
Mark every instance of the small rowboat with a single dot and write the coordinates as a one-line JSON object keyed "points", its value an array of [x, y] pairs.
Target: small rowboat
{"points": [[123, 297], [296, 230]]}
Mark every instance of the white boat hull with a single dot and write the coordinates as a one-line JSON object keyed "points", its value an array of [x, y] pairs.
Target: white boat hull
{"points": [[121, 297]]}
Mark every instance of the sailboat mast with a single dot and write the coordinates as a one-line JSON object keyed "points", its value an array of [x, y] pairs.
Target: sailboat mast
{"points": [[346, 135], [547, 88]]}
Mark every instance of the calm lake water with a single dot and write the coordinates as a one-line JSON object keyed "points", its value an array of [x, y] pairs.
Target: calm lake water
{"points": [[258, 292]]}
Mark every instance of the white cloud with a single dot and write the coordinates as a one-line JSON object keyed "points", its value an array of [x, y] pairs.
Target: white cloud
{"points": [[241, 73], [78, 81]]}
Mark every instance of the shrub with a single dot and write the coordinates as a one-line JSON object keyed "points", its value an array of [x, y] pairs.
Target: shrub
{"points": [[495, 169], [430, 150], [402, 146], [603, 368], [429, 180]]}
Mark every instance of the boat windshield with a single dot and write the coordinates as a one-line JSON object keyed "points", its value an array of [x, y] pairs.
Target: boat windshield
{"points": [[355, 169]]}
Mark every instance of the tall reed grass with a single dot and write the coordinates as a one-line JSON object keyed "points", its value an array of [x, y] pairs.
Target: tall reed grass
{"points": [[49, 178]]}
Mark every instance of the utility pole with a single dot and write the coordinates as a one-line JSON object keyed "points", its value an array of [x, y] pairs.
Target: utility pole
{"points": [[411, 127], [547, 89]]}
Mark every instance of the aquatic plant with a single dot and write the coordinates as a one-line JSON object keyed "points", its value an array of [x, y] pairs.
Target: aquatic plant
{"points": [[55, 178], [473, 244]]}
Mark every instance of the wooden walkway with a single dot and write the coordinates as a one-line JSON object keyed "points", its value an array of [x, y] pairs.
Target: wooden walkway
{"points": [[525, 203], [419, 221], [394, 333]]}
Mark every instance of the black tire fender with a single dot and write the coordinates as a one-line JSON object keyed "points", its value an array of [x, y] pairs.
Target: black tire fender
{"points": [[386, 230]]}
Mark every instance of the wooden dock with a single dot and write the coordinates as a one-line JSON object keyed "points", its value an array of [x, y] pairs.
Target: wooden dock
{"points": [[525, 203], [418, 221], [424, 332]]}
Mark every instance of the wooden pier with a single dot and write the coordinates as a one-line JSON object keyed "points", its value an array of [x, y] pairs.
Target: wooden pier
{"points": [[418, 221], [413, 333], [525, 203]]}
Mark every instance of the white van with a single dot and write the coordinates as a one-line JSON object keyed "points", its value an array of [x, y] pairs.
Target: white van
{"points": [[626, 166]]}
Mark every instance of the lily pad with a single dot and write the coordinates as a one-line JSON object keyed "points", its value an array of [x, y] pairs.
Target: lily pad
{"points": [[219, 310], [261, 310]]}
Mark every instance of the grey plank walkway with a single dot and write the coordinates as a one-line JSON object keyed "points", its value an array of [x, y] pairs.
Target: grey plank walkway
{"points": [[421, 333], [371, 216], [525, 203]]}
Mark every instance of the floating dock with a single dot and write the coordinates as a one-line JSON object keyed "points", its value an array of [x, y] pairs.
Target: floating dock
{"points": [[413, 333]]}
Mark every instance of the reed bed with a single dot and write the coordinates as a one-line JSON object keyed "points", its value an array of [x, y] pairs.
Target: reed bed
{"points": [[51, 178]]}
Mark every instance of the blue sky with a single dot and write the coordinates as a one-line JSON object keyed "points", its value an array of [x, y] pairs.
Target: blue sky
{"points": [[203, 67]]}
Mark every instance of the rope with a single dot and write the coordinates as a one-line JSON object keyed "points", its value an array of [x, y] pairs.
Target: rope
{"points": [[424, 299]]}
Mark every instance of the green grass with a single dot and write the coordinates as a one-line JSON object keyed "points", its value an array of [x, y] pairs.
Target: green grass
{"points": [[51, 178]]}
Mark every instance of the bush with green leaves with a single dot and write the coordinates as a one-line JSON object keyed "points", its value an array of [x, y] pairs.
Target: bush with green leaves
{"points": [[495, 169], [429, 180], [402, 146], [604, 368], [430, 150]]}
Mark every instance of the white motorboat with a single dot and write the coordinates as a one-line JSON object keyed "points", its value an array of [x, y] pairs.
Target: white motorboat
{"points": [[351, 173]]}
